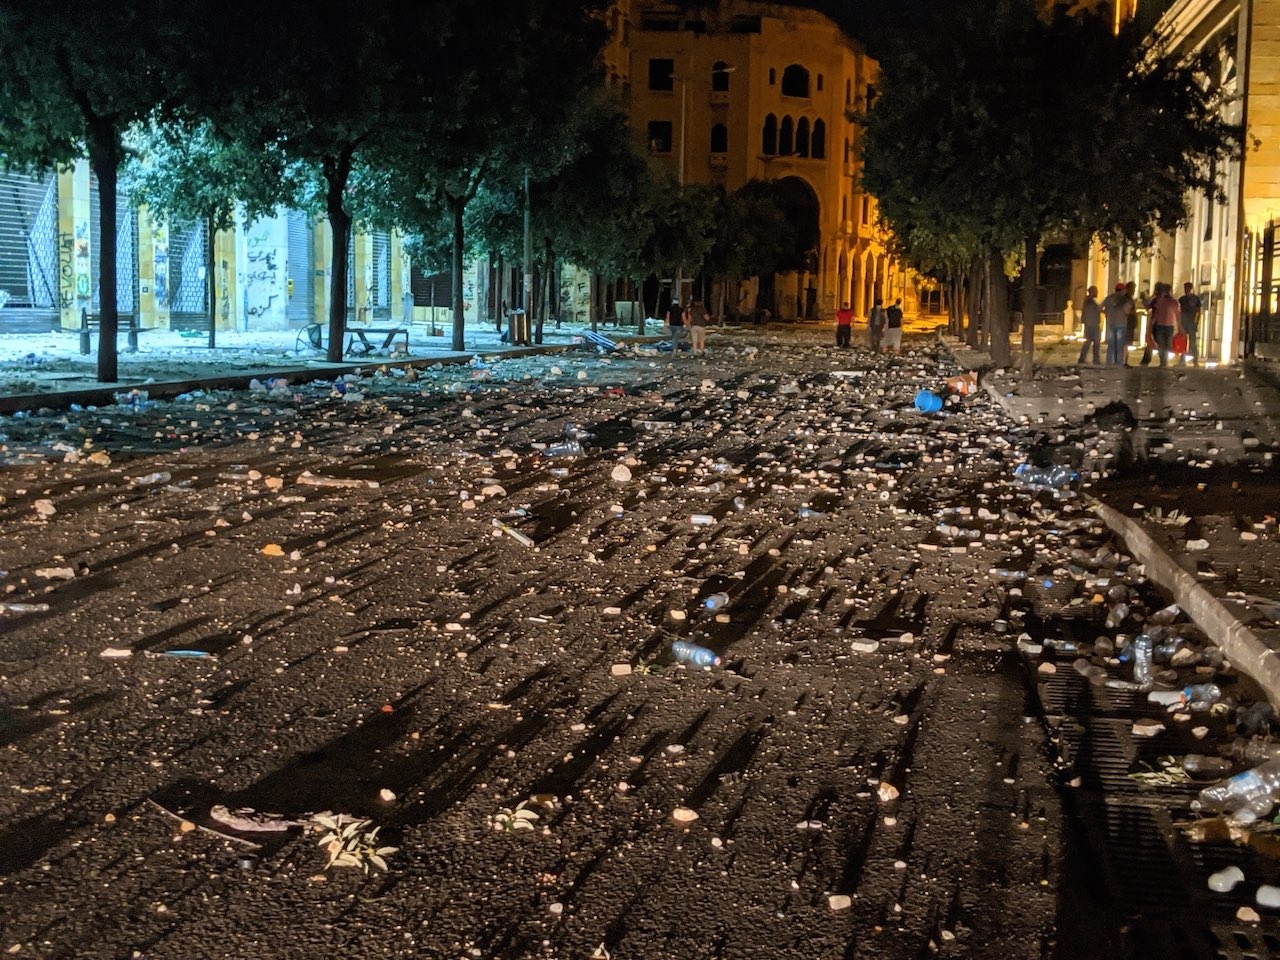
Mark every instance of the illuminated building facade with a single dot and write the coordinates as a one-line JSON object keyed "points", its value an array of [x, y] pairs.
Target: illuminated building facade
{"points": [[756, 91], [1228, 250]]}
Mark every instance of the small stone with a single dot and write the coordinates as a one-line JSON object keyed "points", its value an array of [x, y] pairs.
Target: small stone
{"points": [[684, 815], [1047, 668], [556, 909], [273, 550], [887, 792], [1147, 727], [386, 796], [613, 611], [109, 818], [273, 483], [865, 646], [1226, 879], [678, 615], [1268, 896], [186, 826], [839, 901], [45, 508], [116, 653], [620, 669], [621, 473], [1247, 915]]}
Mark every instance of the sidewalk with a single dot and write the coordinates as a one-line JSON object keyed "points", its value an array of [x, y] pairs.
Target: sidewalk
{"points": [[48, 370], [1198, 490]]}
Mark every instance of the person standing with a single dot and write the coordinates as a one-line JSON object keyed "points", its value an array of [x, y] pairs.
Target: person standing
{"points": [[1189, 307], [875, 325], [697, 317], [1091, 320], [1164, 320], [1115, 310], [844, 326], [893, 327], [1130, 293], [675, 323]]}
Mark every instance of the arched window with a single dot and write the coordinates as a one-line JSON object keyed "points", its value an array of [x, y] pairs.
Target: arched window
{"points": [[818, 141], [719, 138], [802, 137], [769, 146], [720, 77], [795, 81], [844, 208], [786, 137]]}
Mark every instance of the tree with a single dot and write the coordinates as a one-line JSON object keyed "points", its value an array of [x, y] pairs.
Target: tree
{"points": [[187, 171], [76, 75], [984, 89]]}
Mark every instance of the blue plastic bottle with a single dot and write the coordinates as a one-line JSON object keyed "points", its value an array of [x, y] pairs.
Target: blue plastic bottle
{"points": [[716, 601], [694, 655]]}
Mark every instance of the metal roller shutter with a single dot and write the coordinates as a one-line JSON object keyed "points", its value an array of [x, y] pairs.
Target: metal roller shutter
{"points": [[300, 268], [29, 269], [126, 250], [380, 291], [189, 293]]}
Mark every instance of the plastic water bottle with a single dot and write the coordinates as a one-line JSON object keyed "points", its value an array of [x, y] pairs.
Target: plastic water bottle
{"points": [[1054, 478], [1142, 675], [1246, 796], [694, 655], [1116, 615], [807, 512], [701, 519], [716, 601]]}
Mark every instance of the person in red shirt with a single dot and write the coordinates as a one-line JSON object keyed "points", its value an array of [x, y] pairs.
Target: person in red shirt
{"points": [[844, 326]]}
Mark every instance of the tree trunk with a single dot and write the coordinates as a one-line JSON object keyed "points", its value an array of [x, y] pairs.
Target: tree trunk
{"points": [[644, 307], [459, 314], [999, 325], [593, 292], [1030, 274], [974, 300], [104, 158], [526, 287], [500, 295], [211, 277], [336, 175]]}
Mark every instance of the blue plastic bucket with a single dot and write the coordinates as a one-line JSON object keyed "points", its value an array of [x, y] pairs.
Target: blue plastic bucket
{"points": [[928, 402]]}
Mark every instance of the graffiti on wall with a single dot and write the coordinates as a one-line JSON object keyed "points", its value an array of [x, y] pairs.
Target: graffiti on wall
{"points": [[82, 262], [224, 282], [160, 257], [468, 292], [262, 279], [66, 270]]}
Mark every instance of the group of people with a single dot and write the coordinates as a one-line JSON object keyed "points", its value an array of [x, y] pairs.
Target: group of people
{"points": [[884, 326], [1170, 320], [694, 316]]}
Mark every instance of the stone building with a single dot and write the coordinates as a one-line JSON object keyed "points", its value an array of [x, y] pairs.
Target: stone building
{"points": [[757, 91]]}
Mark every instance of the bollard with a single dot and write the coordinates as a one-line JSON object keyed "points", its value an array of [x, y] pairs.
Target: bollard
{"points": [[85, 346]]}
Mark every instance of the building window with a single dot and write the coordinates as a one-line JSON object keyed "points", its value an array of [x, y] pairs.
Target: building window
{"points": [[818, 141], [662, 74], [866, 210], [844, 208], [773, 76], [871, 97], [720, 77], [659, 136], [802, 137], [719, 138], [769, 145], [819, 83], [795, 81], [786, 137]]}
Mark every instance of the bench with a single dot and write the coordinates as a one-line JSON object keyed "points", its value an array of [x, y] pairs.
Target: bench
{"points": [[358, 338], [89, 322]]}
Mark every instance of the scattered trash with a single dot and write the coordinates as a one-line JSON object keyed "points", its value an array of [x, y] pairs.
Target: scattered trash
{"points": [[695, 655]]}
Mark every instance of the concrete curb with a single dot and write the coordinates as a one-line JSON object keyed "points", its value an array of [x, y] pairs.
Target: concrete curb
{"points": [[1245, 649]]}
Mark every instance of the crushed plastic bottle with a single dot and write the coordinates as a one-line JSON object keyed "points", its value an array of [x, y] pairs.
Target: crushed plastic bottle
{"points": [[716, 601], [694, 655], [1055, 478], [1201, 696], [808, 512], [1252, 751], [1245, 797], [571, 448], [701, 519], [160, 476], [1116, 615]]}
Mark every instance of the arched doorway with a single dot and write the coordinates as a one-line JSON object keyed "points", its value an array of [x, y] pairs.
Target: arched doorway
{"points": [[800, 206]]}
